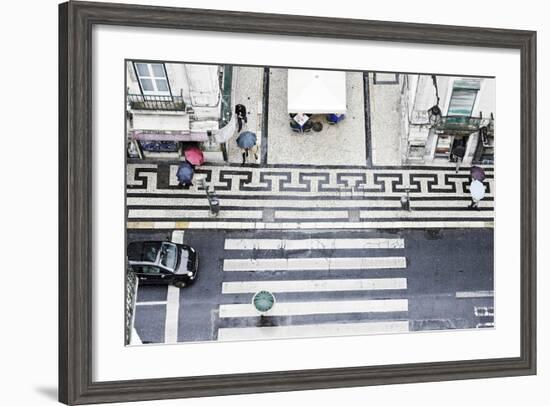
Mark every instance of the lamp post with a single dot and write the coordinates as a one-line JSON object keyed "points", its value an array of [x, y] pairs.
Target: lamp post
{"points": [[434, 115], [263, 301]]}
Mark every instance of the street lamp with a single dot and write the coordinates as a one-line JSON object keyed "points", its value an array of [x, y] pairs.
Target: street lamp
{"points": [[434, 115], [263, 301]]}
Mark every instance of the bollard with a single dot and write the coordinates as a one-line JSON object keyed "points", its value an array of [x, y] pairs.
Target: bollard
{"points": [[213, 201], [214, 204], [406, 201], [200, 181]]}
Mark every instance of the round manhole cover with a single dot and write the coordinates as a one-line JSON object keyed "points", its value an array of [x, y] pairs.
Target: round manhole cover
{"points": [[263, 301]]}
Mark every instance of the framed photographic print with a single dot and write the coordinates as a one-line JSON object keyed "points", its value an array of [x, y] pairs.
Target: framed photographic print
{"points": [[290, 202]]}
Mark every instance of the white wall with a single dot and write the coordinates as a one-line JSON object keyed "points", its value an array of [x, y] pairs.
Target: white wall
{"points": [[487, 98], [132, 82], [178, 80], [29, 204]]}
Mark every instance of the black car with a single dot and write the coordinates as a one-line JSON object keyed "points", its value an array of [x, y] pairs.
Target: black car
{"points": [[163, 262]]}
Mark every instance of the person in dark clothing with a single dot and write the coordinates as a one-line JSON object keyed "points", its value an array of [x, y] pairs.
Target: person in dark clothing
{"points": [[458, 151], [240, 112], [248, 151], [185, 175]]}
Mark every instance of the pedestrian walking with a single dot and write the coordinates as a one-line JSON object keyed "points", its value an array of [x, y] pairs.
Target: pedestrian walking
{"points": [[477, 173], [240, 112], [477, 191], [458, 151], [185, 174], [248, 152], [194, 155], [247, 142]]}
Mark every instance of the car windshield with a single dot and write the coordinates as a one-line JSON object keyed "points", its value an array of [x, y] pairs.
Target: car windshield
{"points": [[169, 255]]}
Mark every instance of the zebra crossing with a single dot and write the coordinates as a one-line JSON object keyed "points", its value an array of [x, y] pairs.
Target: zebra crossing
{"points": [[352, 286], [279, 198]]}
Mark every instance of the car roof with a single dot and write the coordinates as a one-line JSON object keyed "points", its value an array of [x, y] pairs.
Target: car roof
{"points": [[141, 250]]}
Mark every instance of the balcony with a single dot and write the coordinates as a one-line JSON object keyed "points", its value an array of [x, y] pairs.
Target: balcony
{"points": [[162, 103], [462, 125]]}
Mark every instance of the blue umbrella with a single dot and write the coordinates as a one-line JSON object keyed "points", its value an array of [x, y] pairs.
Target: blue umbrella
{"points": [[247, 139], [185, 172]]}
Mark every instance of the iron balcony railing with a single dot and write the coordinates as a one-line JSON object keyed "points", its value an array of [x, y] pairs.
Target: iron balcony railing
{"points": [[167, 103]]}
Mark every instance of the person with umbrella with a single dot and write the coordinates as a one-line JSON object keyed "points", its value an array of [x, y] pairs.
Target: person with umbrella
{"points": [[194, 156], [477, 173], [247, 142], [185, 174], [477, 191], [240, 112]]}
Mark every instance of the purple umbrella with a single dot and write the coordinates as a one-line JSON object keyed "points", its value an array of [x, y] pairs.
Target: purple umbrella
{"points": [[477, 173]]}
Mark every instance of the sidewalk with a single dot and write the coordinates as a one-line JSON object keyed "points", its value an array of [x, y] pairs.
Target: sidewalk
{"points": [[247, 90], [341, 144], [306, 198], [385, 119]]}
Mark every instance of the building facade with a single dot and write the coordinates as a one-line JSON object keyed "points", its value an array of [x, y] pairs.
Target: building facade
{"points": [[441, 113], [170, 105]]}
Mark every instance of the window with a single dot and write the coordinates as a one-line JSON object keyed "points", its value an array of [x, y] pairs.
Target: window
{"points": [[463, 97], [169, 256], [443, 146], [150, 251], [152, 78], [146, 269]]}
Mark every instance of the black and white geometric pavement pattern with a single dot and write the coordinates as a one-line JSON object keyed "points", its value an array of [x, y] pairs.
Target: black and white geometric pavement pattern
{"points": [[310, 198]]}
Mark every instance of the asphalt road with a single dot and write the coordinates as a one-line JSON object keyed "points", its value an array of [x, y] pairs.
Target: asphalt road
{"points": [[446, 275]]}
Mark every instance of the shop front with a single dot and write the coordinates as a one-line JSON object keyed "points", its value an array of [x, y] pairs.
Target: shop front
{"points": [[171, 106], [470, 139]]}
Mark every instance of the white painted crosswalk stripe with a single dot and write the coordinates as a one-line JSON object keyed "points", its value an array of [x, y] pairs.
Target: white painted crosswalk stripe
{"points": [[172, 315], [312, 309], [313, 264], [474, 294], [321, 285], [313, 243], [314, 330], [321, 307], [177, 236]]}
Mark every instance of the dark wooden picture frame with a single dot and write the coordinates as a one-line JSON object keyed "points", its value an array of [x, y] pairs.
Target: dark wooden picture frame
{"points": [[76, 20]]}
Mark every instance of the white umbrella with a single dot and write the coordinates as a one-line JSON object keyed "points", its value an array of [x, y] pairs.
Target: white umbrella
{"points": [[316, 91], [477, 190]]}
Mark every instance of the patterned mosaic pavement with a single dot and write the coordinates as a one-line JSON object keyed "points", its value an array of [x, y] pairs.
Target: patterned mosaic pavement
{"points": [[287, 197]]}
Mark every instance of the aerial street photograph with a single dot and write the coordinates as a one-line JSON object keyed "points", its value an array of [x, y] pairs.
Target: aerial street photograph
{"points": [[269, 202]]}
